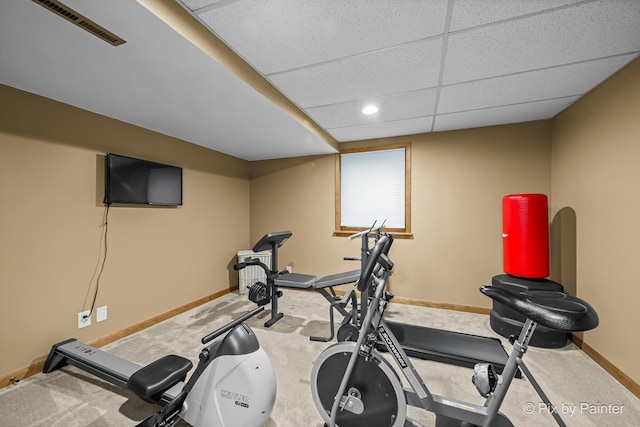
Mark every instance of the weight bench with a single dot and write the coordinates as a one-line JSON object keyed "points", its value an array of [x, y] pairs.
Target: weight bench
{"points": [[324, 286], [263, 294]]}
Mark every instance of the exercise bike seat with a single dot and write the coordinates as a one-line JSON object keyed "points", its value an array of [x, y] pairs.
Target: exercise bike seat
{"points": [[151, 381], [553, 309]]}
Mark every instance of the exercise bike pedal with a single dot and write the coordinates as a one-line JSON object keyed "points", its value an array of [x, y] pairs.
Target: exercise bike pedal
{"points": [[352, 402], [485, 378]]}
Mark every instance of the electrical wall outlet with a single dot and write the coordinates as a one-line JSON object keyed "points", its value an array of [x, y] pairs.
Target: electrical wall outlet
{"points": [[101, 314], [84, 319], [289, 268]]}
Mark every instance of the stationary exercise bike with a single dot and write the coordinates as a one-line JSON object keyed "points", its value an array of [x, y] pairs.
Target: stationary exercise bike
{"points": [[234, 383], [420, 341], [353, 385]]}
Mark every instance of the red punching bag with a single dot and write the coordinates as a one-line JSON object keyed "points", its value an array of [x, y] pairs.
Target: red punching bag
{"points": [[525, 235]]}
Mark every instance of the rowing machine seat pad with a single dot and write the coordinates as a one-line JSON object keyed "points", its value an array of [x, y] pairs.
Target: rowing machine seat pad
{"points": [[525, 235], [151, 381]]}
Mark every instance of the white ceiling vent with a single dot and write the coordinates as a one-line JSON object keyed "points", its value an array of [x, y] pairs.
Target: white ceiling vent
{"points": [[81, 21]]}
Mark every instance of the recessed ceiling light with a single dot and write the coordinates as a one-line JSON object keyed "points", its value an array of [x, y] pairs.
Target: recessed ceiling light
{"points": [[370, 109]]}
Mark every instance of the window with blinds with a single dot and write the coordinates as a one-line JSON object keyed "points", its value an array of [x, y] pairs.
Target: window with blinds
{"points": [[373, 185]]}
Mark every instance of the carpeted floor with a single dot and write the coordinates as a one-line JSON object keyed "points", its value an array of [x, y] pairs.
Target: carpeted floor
{"points": [[583, 392]]}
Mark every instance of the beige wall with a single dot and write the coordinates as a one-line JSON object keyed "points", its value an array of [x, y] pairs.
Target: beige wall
{"points": [[458, 180], [595, 184], [51, 186]]}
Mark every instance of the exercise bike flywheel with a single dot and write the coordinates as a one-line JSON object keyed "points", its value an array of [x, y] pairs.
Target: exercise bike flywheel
{"points": [[374, 381]]}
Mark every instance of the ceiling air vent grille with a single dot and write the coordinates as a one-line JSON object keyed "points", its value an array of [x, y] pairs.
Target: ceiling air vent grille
{"points": [[81, 21]]}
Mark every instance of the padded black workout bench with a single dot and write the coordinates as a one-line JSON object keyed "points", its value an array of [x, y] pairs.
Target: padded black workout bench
{"points": [[276, 279], [324, 286]]}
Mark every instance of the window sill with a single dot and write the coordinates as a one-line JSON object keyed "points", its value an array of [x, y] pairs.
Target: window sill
{"points": [[396, 234]]}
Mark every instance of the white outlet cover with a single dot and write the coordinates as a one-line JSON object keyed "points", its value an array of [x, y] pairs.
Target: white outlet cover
{"points": [[82, 322]]}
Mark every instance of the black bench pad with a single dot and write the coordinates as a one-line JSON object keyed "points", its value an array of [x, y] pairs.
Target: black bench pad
{"points": [[553, 309], [338, 279], [295, 280], [308, 281], [152, 380]]}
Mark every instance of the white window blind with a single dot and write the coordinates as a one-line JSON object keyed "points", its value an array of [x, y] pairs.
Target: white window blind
{"points": [[372, 188]]}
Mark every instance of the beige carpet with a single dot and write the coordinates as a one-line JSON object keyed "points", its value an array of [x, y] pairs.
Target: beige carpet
{"points": [[583, 391]]}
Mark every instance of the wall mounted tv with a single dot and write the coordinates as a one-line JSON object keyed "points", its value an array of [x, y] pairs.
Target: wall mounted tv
{"points": [[141, 182]]}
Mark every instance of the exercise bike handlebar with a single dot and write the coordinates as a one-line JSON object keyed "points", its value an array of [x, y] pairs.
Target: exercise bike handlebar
{"points": [[381, 248], [215, 334], [367, 231]]}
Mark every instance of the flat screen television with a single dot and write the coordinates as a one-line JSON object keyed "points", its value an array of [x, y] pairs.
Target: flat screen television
{"points": [[142, 182]]}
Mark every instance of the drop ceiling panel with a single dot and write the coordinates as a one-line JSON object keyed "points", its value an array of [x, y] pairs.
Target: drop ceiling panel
{"points": [[198, 4], [281, 35], [530, 111], [590, 30], [408, 67], [157, 80], [569, 80], [472, 13], [504, 61], [383, 130], [390, 108]]}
